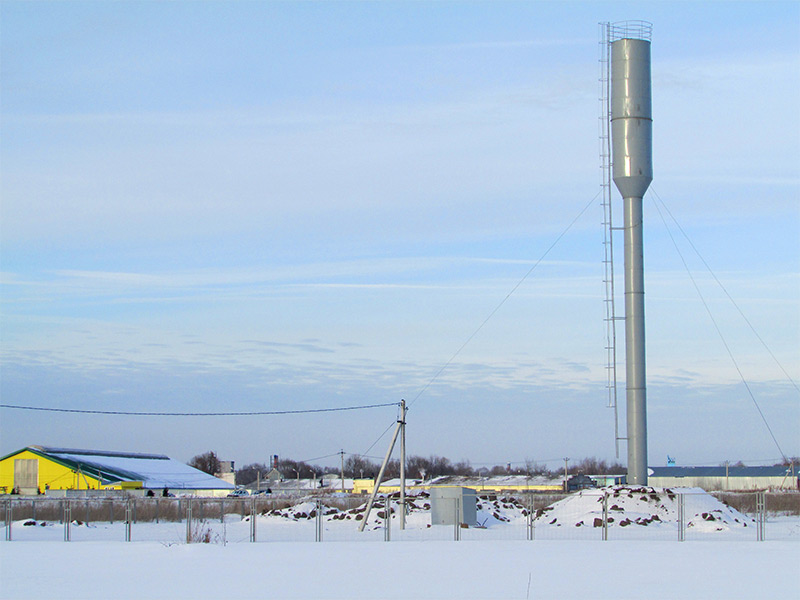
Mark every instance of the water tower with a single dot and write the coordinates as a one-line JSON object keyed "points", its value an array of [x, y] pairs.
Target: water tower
{"points": [[632, 159]]}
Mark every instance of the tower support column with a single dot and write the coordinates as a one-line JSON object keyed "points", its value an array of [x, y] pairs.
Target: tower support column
{"points": [[636, 388]]}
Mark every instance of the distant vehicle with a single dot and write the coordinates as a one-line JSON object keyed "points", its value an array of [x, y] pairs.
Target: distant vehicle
{"points": [[262, 493], [238, 494]]}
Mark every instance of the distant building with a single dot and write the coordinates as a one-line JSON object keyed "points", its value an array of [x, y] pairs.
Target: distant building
{"points": [[38, 469], [497, 484], [580, 482], [725, 478], [227, 472], [605, 480]]}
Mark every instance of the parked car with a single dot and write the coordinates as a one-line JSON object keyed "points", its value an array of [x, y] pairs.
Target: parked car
{"points": [[238, 494]]}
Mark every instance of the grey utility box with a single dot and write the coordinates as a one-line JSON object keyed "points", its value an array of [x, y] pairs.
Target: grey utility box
{"points": [[451, 505]]}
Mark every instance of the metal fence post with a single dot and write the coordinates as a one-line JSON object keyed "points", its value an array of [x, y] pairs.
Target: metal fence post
{"points": [[457, 520], [387, 520], [681, 517], [761, 514], [9, 518], [318, 522], [33, 510], [605, 516], [67, 519], [222, 511], [189, 521], [531, 530], [252, 519], [128, 519]]}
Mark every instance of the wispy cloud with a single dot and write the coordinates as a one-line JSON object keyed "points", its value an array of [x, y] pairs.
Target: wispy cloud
{"points": [[504, 44], [308, 274]]}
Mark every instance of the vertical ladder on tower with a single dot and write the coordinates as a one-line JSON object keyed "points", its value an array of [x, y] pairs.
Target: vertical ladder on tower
{"points": [[604, 121]]}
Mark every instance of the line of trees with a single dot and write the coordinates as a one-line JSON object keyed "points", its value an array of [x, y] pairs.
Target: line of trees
{"points": [[208, 462], [421, 467], [289, 468], [417, 467]]}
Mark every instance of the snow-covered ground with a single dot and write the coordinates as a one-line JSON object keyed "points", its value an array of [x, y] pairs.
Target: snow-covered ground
{"points": [[494, 560], [417, 570], [632, 512]]}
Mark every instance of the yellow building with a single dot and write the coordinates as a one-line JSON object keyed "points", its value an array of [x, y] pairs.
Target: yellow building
{"points": [[36, 469], [507, 484]]}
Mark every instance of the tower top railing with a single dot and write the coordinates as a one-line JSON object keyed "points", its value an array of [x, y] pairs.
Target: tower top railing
{"points": [[630, 30]]}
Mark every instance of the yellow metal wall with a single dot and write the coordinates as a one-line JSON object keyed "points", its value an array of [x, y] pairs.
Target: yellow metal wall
{"points": [[51, 473], [365, 486]]}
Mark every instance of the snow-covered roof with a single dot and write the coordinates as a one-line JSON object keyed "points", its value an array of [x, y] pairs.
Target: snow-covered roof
{"points": [[495, 481], [397, 483], [779, 471], [155, 471]]}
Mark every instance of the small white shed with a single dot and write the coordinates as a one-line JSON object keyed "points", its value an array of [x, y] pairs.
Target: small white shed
{"points": [[451, 505]]}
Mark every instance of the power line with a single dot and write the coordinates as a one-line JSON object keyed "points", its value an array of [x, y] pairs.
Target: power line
{"points": [[722, 287], [719, 332], [308, 460], [197, 414], [503, 301], [385, 431]]}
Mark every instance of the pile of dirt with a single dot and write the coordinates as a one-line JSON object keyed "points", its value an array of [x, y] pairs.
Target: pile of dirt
{"points": [[498, 510], [307, 509], [641, 506]]}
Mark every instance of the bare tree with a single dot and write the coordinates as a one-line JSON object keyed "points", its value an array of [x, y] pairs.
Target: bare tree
{"points": [[249, 473], [357, 466], [418, 467], [288, 467], [207, 462], [463, 468], [593, 466]]}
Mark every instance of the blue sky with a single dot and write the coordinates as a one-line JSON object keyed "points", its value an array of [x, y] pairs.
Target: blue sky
{"points": [[276, 206]]}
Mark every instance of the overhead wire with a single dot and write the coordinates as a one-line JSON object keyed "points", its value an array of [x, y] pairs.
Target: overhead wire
{"points": [[719, 332], [308, 460], [385, 431], [503, 301], [198, 414], [724, 289]]}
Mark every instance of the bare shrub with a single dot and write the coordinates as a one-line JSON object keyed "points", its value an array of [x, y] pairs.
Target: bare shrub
{"points": [[201, 534], [785, 503]]}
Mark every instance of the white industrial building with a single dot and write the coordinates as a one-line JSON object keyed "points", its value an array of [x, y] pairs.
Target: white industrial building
{"points": [[725, 478]]}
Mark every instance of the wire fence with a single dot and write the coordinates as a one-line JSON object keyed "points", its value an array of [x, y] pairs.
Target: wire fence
{"points": [[595, 514]]}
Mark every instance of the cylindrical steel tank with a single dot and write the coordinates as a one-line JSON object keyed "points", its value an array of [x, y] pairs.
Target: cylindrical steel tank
{"points": [[631, 117], [632, 155]]}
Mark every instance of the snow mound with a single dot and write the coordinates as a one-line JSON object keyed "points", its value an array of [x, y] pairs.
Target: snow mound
{"points": [[642, 506], [307, 510], [500, 510], [302, 511]]}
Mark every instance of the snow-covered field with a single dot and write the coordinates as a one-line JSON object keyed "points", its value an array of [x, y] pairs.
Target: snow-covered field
{"points": [[642, 557], [418, 570]]}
